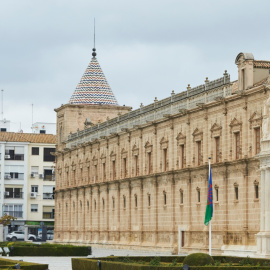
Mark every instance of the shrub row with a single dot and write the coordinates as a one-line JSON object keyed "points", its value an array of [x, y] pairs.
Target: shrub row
{"points": [[29, 249], [5, 264], [122, 263]]}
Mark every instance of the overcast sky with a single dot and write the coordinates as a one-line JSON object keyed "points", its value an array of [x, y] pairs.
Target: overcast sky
{"points": [[145, 48]]}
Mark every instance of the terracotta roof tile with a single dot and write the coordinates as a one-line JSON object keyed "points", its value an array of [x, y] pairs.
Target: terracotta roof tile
{"points": [[27, 137], [261, 64]]}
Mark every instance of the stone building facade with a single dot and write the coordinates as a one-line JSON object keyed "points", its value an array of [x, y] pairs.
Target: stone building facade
{"points": [[139, 179]]}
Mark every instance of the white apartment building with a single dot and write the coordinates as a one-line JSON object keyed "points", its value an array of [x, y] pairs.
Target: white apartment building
{"points": [[27, 179], [42, 127]]}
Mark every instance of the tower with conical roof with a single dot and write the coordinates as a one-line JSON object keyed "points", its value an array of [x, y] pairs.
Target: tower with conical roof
{"points": [[93, 87], [92, 102]]}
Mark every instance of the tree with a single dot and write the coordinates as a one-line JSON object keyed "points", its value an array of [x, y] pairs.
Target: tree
{"points": [[6, 219]]}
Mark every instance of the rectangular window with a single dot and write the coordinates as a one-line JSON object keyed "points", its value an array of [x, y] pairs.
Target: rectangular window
{"points": [[199, 195], [181, 197], [136, 165], [35, 151], [217, 194], [14, 210], [236, 192], [257, 141], [48, 175], [237, 145], [48, 212], [149, 162], [48, 192], [199, 151], [34, 207], [14, 153], [182, 153], [34, 188], [47, 156], [104, 170], [217, 139], [113, 170], [124, 167], [165, 159], [256, 191], [3, 129], [149, 200], [95, 173], [14, 193]]}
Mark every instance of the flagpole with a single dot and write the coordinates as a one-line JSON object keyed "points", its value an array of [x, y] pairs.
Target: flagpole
{"points": [[210, 243]]}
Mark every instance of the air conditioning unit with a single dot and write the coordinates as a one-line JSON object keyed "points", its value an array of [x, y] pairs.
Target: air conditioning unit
{"points": [[7, 177], [41, 176], [6, 193], [7, 156], [32, 175], [33, 195]]}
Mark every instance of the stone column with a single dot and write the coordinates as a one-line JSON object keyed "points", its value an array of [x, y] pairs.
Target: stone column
{"points": [[1, 233], [263, 237], [25, 232]]}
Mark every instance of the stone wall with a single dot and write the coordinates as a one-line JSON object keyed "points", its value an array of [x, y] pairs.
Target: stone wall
{"points": [[142, 185]]}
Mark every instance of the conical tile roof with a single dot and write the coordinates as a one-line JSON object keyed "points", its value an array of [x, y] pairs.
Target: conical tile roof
{"points": [[93, 87]]}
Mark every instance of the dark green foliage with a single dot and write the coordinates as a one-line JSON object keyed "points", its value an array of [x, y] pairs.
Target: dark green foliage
{"points": [[198, 259], [143, 263], [8, 264], [45, 249], [155, 261]]}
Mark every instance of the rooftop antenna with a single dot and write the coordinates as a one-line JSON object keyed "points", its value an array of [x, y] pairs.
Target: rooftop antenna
{"points": [[2, 99], [32, 117], [94, 49]]}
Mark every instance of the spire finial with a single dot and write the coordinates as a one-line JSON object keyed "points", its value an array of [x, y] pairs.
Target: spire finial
{"points": [[94, 49]]}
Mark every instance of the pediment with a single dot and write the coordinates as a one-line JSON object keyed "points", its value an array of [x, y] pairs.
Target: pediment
{"points": [[148, 147], [135, 147], [255, 120], [197, 135], [180, 136], [235, 122], [148, 144], [196, 132], [181, 139], [164, 143], [135, 150], [215, 127], [255, 116], [163, 140], [124, 153]]}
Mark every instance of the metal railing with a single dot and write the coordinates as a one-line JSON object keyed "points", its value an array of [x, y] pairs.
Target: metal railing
{"points": [[189, 99], [48, 196], [17, 214], [13, 195], [48, 215]]}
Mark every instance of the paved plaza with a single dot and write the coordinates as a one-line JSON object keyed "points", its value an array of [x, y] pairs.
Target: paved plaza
{"points": [[64, 263]]}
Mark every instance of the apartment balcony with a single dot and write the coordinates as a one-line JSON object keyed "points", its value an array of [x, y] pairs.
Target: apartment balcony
{"points": [[48, 215], [48, 196], [17, 214], [13, 195], [49, 177]]}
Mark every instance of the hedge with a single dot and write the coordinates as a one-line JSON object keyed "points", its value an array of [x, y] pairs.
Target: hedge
{"points": [[5, 264], [30, 249], [117, 263]]}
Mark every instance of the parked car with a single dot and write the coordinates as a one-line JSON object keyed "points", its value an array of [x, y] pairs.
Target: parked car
{"points": [[49, 235], [19, 236]]}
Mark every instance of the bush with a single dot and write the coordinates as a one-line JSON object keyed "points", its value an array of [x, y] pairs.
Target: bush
{"points": [[198, 259], [29, 249]]}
